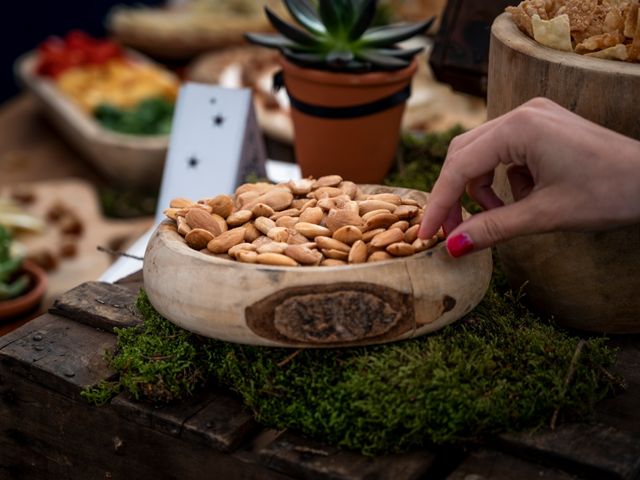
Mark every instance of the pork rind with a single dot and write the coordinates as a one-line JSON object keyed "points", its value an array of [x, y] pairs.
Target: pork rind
{"points": [[607, 29], [554, 33]]}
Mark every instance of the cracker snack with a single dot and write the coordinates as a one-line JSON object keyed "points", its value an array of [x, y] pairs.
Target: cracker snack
{"points": [[596, 28]]}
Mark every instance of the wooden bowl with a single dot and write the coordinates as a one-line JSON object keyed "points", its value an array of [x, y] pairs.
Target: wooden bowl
{"points": [[312, 306], [130, 160], [587, 281]]}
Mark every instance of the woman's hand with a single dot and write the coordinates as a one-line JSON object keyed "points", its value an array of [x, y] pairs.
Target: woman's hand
{"points": [[566, 173]]}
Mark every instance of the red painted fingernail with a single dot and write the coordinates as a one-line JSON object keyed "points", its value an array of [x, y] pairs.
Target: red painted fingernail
{"points": [[459, 245]]}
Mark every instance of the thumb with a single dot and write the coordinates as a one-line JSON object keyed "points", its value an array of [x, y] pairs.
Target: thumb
{"points": [[491, 227]]}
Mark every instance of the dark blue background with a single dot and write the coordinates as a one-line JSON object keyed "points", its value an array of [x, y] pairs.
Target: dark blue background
{"points": [[26, 23]]}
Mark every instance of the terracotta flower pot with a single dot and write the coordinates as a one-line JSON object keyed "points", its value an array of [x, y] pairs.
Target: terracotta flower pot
{"points": [[29, 300], [346, 123]]}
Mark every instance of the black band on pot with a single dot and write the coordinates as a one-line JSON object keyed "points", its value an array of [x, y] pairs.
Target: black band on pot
{"points": [[352, 111]]}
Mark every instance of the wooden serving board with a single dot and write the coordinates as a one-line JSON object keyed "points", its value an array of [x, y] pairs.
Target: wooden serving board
{"points": [[88, 263]]}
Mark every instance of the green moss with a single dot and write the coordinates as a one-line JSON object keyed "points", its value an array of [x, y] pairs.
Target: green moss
{"points": [[499, 369], [502, 369]]}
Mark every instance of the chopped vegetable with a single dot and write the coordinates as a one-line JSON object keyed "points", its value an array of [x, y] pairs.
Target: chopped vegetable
{"points": [[151, 117]]}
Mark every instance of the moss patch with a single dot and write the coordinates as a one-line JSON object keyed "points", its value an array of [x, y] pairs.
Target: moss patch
{"points": [[501, 369]]}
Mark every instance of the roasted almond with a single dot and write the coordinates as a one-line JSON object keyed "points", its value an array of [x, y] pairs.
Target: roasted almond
{"points": [[301, 187], [290, 212], [379, 256], [277, 199], [358, 252], [421, 245], [387, 197], [311, 230], [296, 238], [367, 206], [349, 188], [312, 215], [373, 213], [410, 201], [327, 181], [381, 220], [239, 218], [387, 238], [243, 200], [348, 234], [303, 255], [417, 220], [368, 235], [272, 247], [405, 212], [261, 240], [258, 187], [335, 254], [222, 224], [332, 262], [247, 256], [326, 204], [325, 192], [276, 259], [171, 213], [262, 210], [278, 234], [180, 203], [233, 251], [264, 224], [411, 234], [183, 226], [251, 232], [310, 203], [400, 249], [329, 243], [286, 221], [198, 238], [225, 241], [221, 205], [401, 224], [197, 218], [337, 219]]}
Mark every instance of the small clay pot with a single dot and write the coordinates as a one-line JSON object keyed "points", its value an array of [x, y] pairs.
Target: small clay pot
{"points": [[361, 148], [28, 301]]}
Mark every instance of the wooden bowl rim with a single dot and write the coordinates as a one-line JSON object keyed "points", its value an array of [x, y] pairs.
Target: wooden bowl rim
{"points": [[505, 29]]}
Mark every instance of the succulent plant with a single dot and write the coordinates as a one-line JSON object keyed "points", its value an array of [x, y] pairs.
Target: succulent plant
{"points": [[11, 284], [338, 35]]}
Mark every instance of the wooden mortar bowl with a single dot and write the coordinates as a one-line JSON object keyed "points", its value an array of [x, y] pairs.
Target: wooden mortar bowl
{"points": [[351, 305], [586, 281]]}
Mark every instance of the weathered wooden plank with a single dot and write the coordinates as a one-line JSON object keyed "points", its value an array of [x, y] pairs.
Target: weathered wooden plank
{"points": [[98, 304], [224, 423], [44, 434], [487, 464], [310, 460], [58, 353], [594, 450], [133, 282]]}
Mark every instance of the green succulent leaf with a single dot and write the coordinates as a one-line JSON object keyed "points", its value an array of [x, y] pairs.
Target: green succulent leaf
{"points": [[329, 15], [270, 40], [289, 31], [365, 17], [305, 58], [383, 61], [392, 34], [306, 14]]}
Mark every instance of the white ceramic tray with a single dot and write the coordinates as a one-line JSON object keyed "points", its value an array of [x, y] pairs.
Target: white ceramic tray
{"points": [[130, 160]]}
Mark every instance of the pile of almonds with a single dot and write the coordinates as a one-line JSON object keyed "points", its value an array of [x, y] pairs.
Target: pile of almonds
{"points": [[326, 222]]}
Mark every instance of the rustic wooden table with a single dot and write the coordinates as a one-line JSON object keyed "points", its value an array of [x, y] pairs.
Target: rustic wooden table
{"points": [[48, 431]]}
